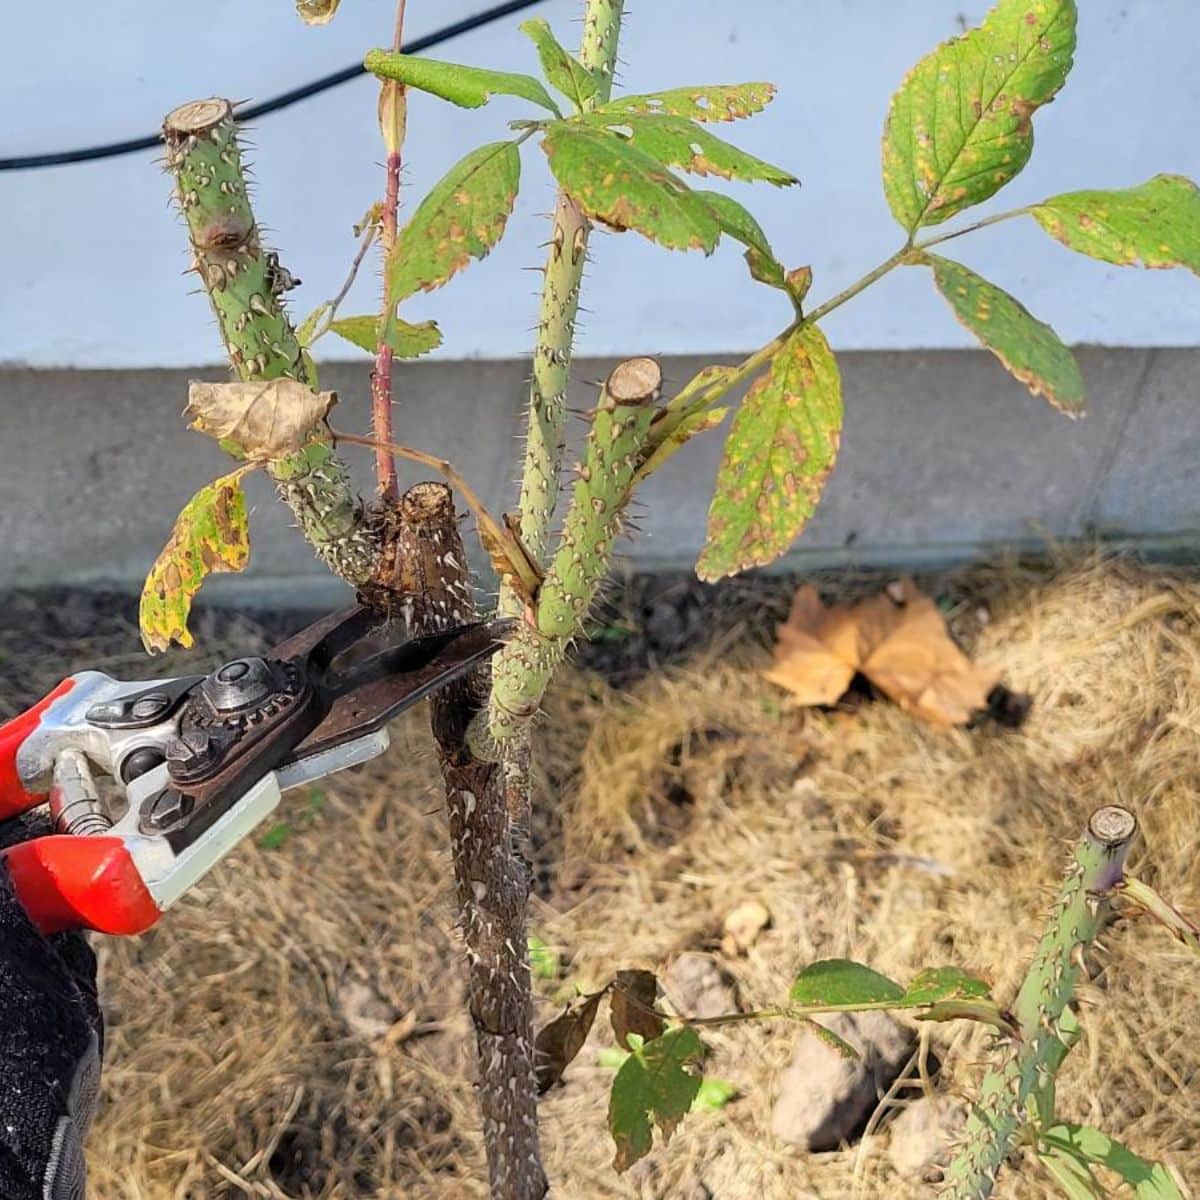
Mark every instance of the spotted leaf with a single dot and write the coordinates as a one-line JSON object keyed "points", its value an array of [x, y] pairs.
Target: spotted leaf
{"points": [[678, 142], [722, 102], [1156, 224], [779, 453], [1030, 349], [960, 126], [210, 535], [462, 218], [623, 187], [468, 87]]}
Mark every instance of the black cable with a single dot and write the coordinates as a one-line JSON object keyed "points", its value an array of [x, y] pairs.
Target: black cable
{"points": [[61, 158]]}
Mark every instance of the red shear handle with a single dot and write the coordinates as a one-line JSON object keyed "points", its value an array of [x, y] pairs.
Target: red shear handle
{"points": [[69, 882], [13, 796]]}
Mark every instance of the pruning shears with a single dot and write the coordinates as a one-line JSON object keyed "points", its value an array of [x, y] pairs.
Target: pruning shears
{"points": [[200, 760]]}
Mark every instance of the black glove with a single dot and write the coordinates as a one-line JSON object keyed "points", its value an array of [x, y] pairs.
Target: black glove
{"points": [[51, 1038]]}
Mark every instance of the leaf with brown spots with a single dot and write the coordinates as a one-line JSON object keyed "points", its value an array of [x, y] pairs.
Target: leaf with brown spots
{"points": [[897, 639], [960, 127], [557, 1043], [625, 188], [778, 455], [717, 102], [462, 218], [631, 1007], [656, 1085], [1029, 349], [678, 142], [210, 535], [1156, 224], [260, 421]]}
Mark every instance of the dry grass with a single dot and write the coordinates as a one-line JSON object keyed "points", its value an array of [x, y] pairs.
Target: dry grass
{"points": [[232, 1071]]}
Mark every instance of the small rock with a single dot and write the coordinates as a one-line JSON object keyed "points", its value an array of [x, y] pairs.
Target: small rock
{"points": [[697, 987], [825, 1099], [921, 1133], [742, 927], [366, 1013]]}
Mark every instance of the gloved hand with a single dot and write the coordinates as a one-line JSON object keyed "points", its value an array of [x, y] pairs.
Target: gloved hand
{"points": [[51, 1038]]}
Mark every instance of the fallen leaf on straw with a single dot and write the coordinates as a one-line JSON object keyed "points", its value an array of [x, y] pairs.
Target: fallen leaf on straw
{"points": [[897, 639]]}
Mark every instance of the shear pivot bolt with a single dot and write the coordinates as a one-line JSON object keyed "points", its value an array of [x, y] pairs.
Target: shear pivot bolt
{"points": [[149, 706]]}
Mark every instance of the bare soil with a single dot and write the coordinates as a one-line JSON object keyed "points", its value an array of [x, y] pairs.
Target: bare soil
{"points": [[295, 1028]]}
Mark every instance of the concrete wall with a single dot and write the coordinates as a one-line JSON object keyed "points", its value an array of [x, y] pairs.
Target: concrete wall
{"points": [[943, 457]]}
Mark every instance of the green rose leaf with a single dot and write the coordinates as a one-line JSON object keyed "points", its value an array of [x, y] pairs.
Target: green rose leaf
{"points": [[725, 102], [406, 340], [838, 982], [936, 984], [462, 218], [1088, 1146], [960, 127], [564, 71], [621, 186], [1156, 224], [678, 142], [1029, 349], [468, 87], [779, 453], [211, 534], [656, 1085]]}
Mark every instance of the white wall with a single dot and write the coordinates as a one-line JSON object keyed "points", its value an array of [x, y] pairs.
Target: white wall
{"points": [[92, 255]]}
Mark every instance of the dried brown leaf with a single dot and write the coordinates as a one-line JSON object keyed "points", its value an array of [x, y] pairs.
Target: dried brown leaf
{"points": [[630, 1005], [557, 1043], [897, 639], [263, 421]]}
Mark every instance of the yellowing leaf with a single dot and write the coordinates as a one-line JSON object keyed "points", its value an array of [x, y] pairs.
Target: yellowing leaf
{"points": [[468, 87], [1156, 224], [960, 126], [406, 340], [317, 12], [656, 1084], [263, 421], [678, 142], [720, 102], [462, 218], [1029, 349], [624, 188], [674, 441], [778, 455], [210, 535], [897, 639]]}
